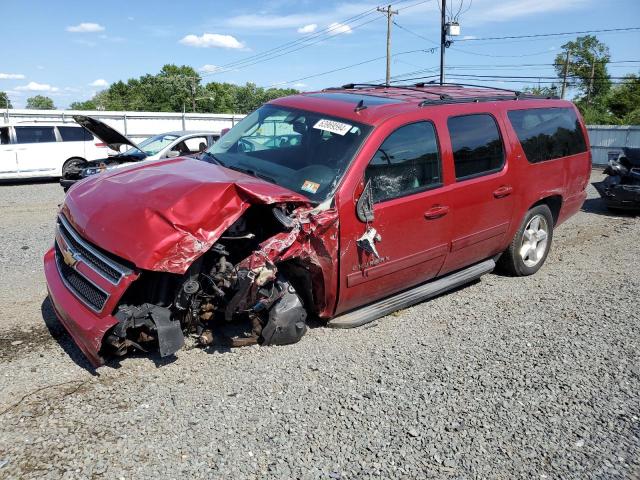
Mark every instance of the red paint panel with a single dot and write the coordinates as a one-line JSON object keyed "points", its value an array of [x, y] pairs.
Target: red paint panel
{"points": [[163, 217], [386, 268], [480, 236]]}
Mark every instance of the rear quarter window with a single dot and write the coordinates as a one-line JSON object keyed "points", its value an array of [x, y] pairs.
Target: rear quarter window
{"points": [[74, 134], [548, 133]]}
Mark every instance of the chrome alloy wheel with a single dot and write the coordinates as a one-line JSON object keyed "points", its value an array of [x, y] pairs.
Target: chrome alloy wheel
{"points": [[534, 240]]}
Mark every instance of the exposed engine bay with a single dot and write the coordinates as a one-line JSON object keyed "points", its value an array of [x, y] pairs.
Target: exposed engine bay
{"points": [[238, 280], [621, 188]]}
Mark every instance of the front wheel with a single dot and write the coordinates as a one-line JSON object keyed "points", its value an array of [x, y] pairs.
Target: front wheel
{"points": [[72, 165], [530, 246]]}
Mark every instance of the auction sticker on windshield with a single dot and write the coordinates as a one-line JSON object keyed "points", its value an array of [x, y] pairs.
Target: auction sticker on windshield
{"points": [[332, 126], [309, 186]]}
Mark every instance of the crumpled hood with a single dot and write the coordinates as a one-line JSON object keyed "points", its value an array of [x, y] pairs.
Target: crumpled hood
{"points": [[165, 214]]}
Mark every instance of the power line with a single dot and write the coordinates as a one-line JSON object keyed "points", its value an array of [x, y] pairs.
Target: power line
{"points": [[556, 34], [338, 28], [346, 67], [305, 38], [286, 52]]}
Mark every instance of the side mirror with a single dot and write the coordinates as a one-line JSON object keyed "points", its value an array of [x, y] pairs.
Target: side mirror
{"points": [[364, 206], [173, 154]]}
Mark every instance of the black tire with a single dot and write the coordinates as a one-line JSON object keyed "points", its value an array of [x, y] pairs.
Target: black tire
{"points": [[72, 162], [511, 261]]}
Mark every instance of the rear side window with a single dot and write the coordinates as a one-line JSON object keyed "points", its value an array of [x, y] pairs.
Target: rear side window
{"points": [[35, 134], [74, 134], [408, 161], [548, 133], [477, 146]]}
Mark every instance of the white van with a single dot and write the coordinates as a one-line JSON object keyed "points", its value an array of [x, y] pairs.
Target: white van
{"points": [[29, 150]]}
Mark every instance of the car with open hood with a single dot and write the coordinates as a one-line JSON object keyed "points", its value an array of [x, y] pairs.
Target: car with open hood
{"points": [[341, 205], [156, 147]]}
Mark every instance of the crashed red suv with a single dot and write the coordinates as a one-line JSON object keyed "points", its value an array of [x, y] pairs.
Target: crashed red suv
{"points": [[342, 205]]}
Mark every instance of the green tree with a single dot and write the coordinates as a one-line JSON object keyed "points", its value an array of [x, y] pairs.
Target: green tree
{"points": [[551, 91], [624, 100], [40, 102], [177, 87], [587, 66], [4, 101]]}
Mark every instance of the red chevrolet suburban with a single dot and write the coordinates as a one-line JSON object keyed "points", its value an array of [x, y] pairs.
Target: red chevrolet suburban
{"points": [[342, 205]]}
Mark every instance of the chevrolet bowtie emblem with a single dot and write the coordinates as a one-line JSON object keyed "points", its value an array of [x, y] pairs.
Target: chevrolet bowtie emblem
{"points": [[69, 258]]}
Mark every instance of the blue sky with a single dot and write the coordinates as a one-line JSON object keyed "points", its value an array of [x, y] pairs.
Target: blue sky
{"points": [[68, 50]]}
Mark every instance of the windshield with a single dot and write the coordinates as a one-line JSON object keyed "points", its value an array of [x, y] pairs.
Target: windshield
{"points": [[152, 145], [306, 152]]}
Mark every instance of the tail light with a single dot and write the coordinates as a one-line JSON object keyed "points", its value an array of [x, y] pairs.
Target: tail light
{"points": [[101, 145]]}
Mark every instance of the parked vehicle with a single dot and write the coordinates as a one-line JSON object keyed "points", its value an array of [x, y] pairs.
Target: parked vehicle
{"points": [[157, 147], [365, 200], [31, 150], [621, 188]]}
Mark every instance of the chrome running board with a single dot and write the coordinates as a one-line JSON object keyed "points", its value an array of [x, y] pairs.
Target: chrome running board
{"points": [[368, 313]]}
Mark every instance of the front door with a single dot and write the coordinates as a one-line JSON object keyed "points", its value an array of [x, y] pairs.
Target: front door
{"points": [[411, 221], [8, 159], [481, 197]]}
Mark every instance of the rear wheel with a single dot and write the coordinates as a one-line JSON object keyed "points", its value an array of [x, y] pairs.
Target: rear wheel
{"points": [[530, 246], [72, 164]]}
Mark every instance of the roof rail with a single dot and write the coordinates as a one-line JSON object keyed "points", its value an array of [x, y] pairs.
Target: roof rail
{"points": [[443, 98], [352, 86]]}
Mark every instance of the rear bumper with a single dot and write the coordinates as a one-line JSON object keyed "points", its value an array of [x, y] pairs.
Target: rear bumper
{"points": [[619, 196], [85, 326]]}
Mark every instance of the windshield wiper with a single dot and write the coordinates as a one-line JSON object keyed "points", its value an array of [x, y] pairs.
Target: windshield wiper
{"points": [[213, 157], [252, 172]]}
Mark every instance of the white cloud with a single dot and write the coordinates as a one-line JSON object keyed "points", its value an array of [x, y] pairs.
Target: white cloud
{"points": [[86, 28], [209, 40], [208, 68], [299, 85], [100, 83], [11, 76], [310, 28], [468, 37], [37, 87], [337, 28]]}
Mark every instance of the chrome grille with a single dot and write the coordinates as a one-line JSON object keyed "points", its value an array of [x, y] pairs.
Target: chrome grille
{"points": [[107, 267], [90, 294]]}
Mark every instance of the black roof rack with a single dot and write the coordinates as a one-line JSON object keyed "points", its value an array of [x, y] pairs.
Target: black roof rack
{"points": [[443, 98], [351, 86]]}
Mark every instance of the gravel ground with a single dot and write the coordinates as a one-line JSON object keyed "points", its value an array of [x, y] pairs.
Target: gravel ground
{"points": [[534, 377]]}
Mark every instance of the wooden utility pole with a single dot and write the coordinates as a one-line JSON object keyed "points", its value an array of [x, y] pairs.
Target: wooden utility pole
{"points": [[564, 75], [443, 37], [389, 13]]}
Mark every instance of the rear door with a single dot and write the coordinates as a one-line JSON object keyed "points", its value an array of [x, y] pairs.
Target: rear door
{"points": [[410, 219], [482, 195], [8, 158], [39, 154]]}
